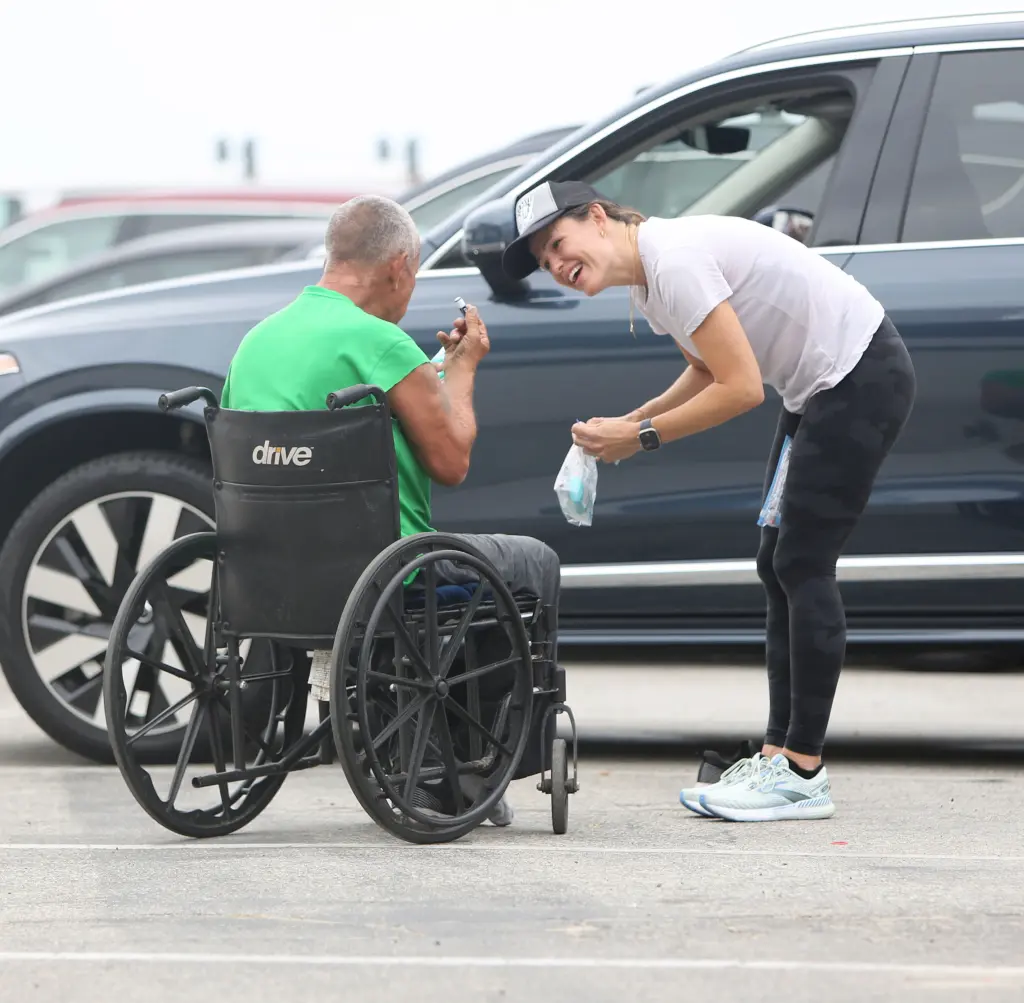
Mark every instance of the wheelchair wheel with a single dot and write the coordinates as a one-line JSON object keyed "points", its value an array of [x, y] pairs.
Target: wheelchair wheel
{"points": [[162, 630], [416, 716], [559, 787]]}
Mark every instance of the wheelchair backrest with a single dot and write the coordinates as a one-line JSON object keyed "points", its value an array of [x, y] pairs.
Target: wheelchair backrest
{"points": [[304, 501]]}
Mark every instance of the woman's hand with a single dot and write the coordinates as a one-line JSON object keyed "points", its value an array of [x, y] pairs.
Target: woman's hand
{"points": [[609, 439]]}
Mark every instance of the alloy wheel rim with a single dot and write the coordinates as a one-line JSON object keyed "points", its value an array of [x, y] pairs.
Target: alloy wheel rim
{"points": [[77, 580]]}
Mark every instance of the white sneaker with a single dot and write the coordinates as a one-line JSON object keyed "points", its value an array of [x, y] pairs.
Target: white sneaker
{"points": [[773, 793], [740, 771]]}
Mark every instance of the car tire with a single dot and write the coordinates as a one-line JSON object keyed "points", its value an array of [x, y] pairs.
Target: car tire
{"points": [[64, 569]]}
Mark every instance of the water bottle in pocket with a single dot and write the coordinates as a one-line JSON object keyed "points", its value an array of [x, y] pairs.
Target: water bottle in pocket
{"points": [[771, 511]]}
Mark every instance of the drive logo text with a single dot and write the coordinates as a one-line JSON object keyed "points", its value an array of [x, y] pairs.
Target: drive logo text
{"points": [[294, 456]]}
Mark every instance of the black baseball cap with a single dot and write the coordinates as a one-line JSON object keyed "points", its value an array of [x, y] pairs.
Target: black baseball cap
{"points": [[536, 209]]}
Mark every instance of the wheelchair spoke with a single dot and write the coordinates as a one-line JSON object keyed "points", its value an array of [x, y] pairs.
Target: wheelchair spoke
{"points": [[398, 721], [419, 746], [408, 645], [154, 663], [188, 649], [194, 723], [430, 575], [245, 728], [408, 684], [451, 767], [456, 639], [482, 671], [432, 747], [160, 718], [219, 762], [462, 713]]}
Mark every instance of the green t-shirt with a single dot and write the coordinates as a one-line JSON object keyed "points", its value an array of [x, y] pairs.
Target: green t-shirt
{"points": [[322, 342]]}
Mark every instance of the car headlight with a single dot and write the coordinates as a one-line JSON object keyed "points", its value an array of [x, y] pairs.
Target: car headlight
{"points": [[8, 364]]}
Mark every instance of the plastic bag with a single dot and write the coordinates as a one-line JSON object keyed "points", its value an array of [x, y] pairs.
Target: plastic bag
{"points": [[576, 486], [771, 511]]}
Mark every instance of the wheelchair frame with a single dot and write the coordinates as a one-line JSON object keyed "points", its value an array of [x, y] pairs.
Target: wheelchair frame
{"points": [[429, 806]]}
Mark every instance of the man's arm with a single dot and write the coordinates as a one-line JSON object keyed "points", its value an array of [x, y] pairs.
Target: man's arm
{"points": [[437, 417]]}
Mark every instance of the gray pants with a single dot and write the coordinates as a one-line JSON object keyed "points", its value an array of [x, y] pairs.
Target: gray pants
{"points": [[522, 561]]}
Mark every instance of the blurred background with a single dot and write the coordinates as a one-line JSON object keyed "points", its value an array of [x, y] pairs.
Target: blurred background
{"points": [[234, 112]]}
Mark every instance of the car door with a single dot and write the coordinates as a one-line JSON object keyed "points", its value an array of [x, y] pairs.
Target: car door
{"points": [[558, 356], [943, 249]]}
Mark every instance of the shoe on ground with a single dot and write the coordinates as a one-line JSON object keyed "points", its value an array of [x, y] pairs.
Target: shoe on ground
{"points": [[738, 773], [713, 765], [473, 787], [436, 796], [771, 793]]}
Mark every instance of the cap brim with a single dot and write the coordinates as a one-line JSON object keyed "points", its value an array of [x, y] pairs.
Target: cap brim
{"points": [[517, 260]]}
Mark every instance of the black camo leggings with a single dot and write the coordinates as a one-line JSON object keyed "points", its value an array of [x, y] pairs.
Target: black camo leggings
{"points": [[839, 443]]}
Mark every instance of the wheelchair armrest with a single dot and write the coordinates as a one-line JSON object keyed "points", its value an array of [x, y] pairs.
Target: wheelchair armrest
{"points": [[186, 396], [341, 398]]}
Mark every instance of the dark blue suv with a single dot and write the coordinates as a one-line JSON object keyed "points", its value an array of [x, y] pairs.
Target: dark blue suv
{"points": [[904, 144]]}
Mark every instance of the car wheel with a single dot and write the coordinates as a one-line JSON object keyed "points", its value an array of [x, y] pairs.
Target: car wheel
{"points": [[64, 570]]}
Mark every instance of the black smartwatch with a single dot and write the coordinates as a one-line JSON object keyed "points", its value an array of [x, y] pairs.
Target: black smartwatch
{"points": [[649, 438]]}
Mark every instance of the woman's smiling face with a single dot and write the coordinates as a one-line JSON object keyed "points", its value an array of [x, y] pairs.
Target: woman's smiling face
{"points": [[575, 252]]}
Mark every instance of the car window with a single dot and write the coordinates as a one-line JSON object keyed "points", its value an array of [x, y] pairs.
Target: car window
{"points": [[439, 208], [155, 268], [735, 165], [775, 151], [968, 181], [45, 251]]}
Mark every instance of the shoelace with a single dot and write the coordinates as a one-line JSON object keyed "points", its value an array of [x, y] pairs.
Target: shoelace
{"points": [[766, 775], [739, 770]]}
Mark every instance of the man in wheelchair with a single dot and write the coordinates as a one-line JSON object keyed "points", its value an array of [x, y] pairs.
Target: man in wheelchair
{"points": [[344, 332]]}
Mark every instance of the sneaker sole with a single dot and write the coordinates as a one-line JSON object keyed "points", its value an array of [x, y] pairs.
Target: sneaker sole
{"points": [[782, 813], [695, 807]]}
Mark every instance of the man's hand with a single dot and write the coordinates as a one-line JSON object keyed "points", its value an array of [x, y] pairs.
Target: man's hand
{"points": [[467, 340], [611, 440]]}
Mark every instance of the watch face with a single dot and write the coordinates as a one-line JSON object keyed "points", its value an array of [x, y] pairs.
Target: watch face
{"points": [[649, 438]]}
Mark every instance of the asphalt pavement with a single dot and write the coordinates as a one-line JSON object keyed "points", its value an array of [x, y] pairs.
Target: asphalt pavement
{"points": [[913, 891]]}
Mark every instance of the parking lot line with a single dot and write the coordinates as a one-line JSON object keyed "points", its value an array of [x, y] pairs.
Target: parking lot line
{"points": [[711, 851], [456, 961]]}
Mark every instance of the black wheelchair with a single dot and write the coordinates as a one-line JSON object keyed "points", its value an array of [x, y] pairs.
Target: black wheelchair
{"points": [[440, 694]]}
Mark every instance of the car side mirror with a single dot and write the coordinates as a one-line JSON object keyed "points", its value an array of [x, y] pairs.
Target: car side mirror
{"points": [[486, 232]]}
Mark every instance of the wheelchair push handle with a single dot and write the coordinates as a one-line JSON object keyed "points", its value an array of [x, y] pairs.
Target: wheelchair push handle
{"points": [[186, 396], [342, 398]]}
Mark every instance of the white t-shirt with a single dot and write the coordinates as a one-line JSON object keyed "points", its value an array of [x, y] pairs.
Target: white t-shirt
{"points": [[807, 320]]}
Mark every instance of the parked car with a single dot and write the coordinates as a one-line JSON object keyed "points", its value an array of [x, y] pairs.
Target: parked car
{"points": [[44, 243], [905, 145], [438, 197], [193, 250]]}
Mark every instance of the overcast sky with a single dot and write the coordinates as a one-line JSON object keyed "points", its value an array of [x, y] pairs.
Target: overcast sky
{"points": [[137, 92]]}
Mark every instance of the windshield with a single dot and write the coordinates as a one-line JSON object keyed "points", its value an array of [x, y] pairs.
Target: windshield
{"points": [[43, 252], [439, 208]]}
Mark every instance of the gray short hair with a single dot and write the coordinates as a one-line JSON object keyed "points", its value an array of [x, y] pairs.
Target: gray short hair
{"points": [[370, 230]]}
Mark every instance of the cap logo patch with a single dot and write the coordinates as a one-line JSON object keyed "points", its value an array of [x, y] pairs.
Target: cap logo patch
{"points": [[524, 212]]}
